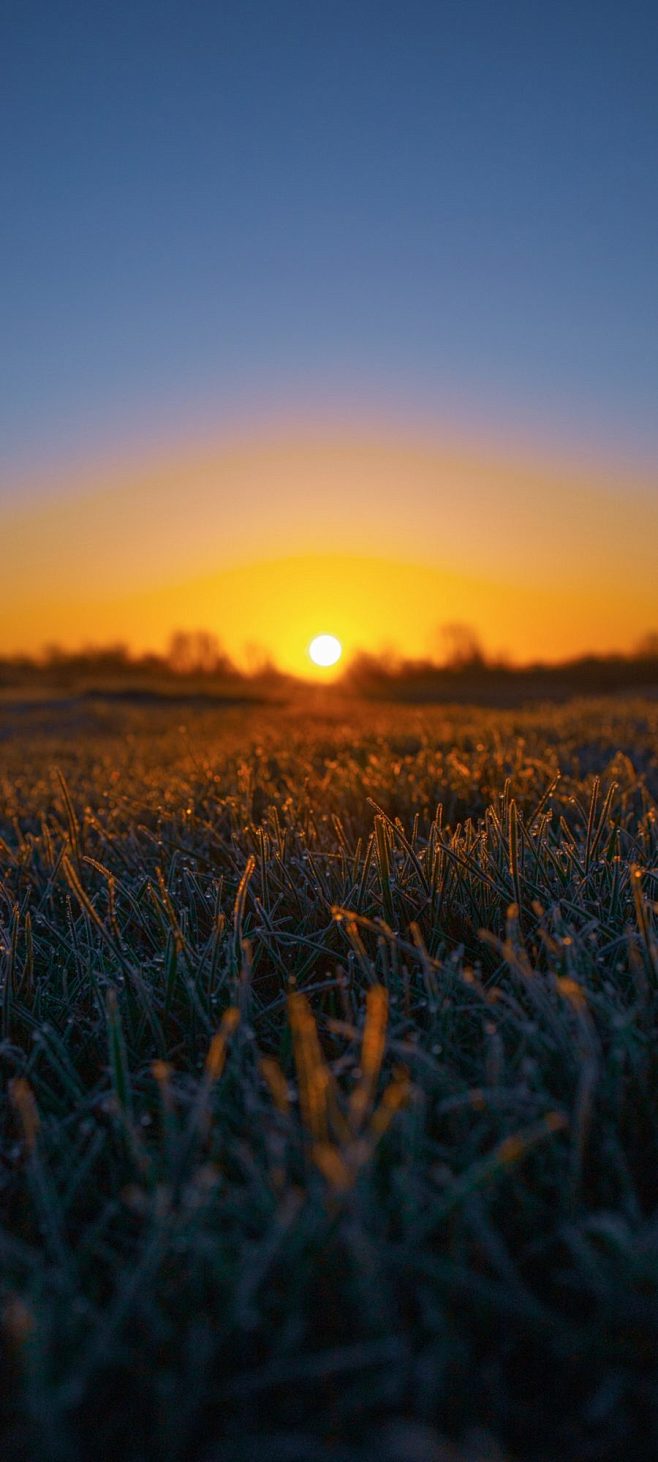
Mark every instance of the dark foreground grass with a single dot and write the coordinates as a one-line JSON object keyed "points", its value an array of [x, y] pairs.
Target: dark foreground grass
{"points": [[330, 1085]]}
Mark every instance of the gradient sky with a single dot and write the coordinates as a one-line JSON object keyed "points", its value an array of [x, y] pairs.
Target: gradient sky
{"points": [[419, 232]]}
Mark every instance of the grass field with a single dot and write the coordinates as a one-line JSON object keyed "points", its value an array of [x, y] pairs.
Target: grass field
{"points": [[330, 1083]]}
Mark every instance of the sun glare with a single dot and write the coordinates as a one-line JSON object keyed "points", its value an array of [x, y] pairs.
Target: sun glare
{"points": [[325, 650]]}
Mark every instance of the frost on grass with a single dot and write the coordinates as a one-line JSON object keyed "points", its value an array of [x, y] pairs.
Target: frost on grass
{"points": [[329, 1054]]}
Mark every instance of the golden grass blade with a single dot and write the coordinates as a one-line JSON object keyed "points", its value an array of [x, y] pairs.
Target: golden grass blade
{"points": [[218, 1046], [312, 1071], [372, 1053]]}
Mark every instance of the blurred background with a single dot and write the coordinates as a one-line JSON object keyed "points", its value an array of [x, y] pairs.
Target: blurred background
{"points": [[329, 317]]}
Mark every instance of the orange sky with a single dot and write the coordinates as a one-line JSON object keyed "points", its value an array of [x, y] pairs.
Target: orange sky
{"points": [[377, 541]]}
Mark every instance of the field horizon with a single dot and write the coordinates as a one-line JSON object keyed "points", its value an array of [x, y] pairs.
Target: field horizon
{"points": [[195, 670]]}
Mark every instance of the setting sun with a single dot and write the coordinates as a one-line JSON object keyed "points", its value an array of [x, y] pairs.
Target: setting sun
{"points": [[325, 650]]}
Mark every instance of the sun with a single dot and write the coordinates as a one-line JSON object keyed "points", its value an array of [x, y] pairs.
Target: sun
{"points": [[325, 650]]}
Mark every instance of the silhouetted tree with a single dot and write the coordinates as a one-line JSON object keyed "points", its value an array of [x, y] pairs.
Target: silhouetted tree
{"points": [[196, 652], [462, 646], [647, 647], [255, 658]]}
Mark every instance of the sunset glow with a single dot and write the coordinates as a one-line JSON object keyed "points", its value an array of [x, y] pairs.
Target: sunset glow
{"points": [[264, 543], [310, 357]]}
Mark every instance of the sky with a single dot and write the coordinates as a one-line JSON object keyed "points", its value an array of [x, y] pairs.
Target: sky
{"points": [[371, 286]]}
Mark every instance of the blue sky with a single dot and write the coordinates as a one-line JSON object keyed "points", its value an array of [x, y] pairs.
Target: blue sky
{"points": [[221, 212]]}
